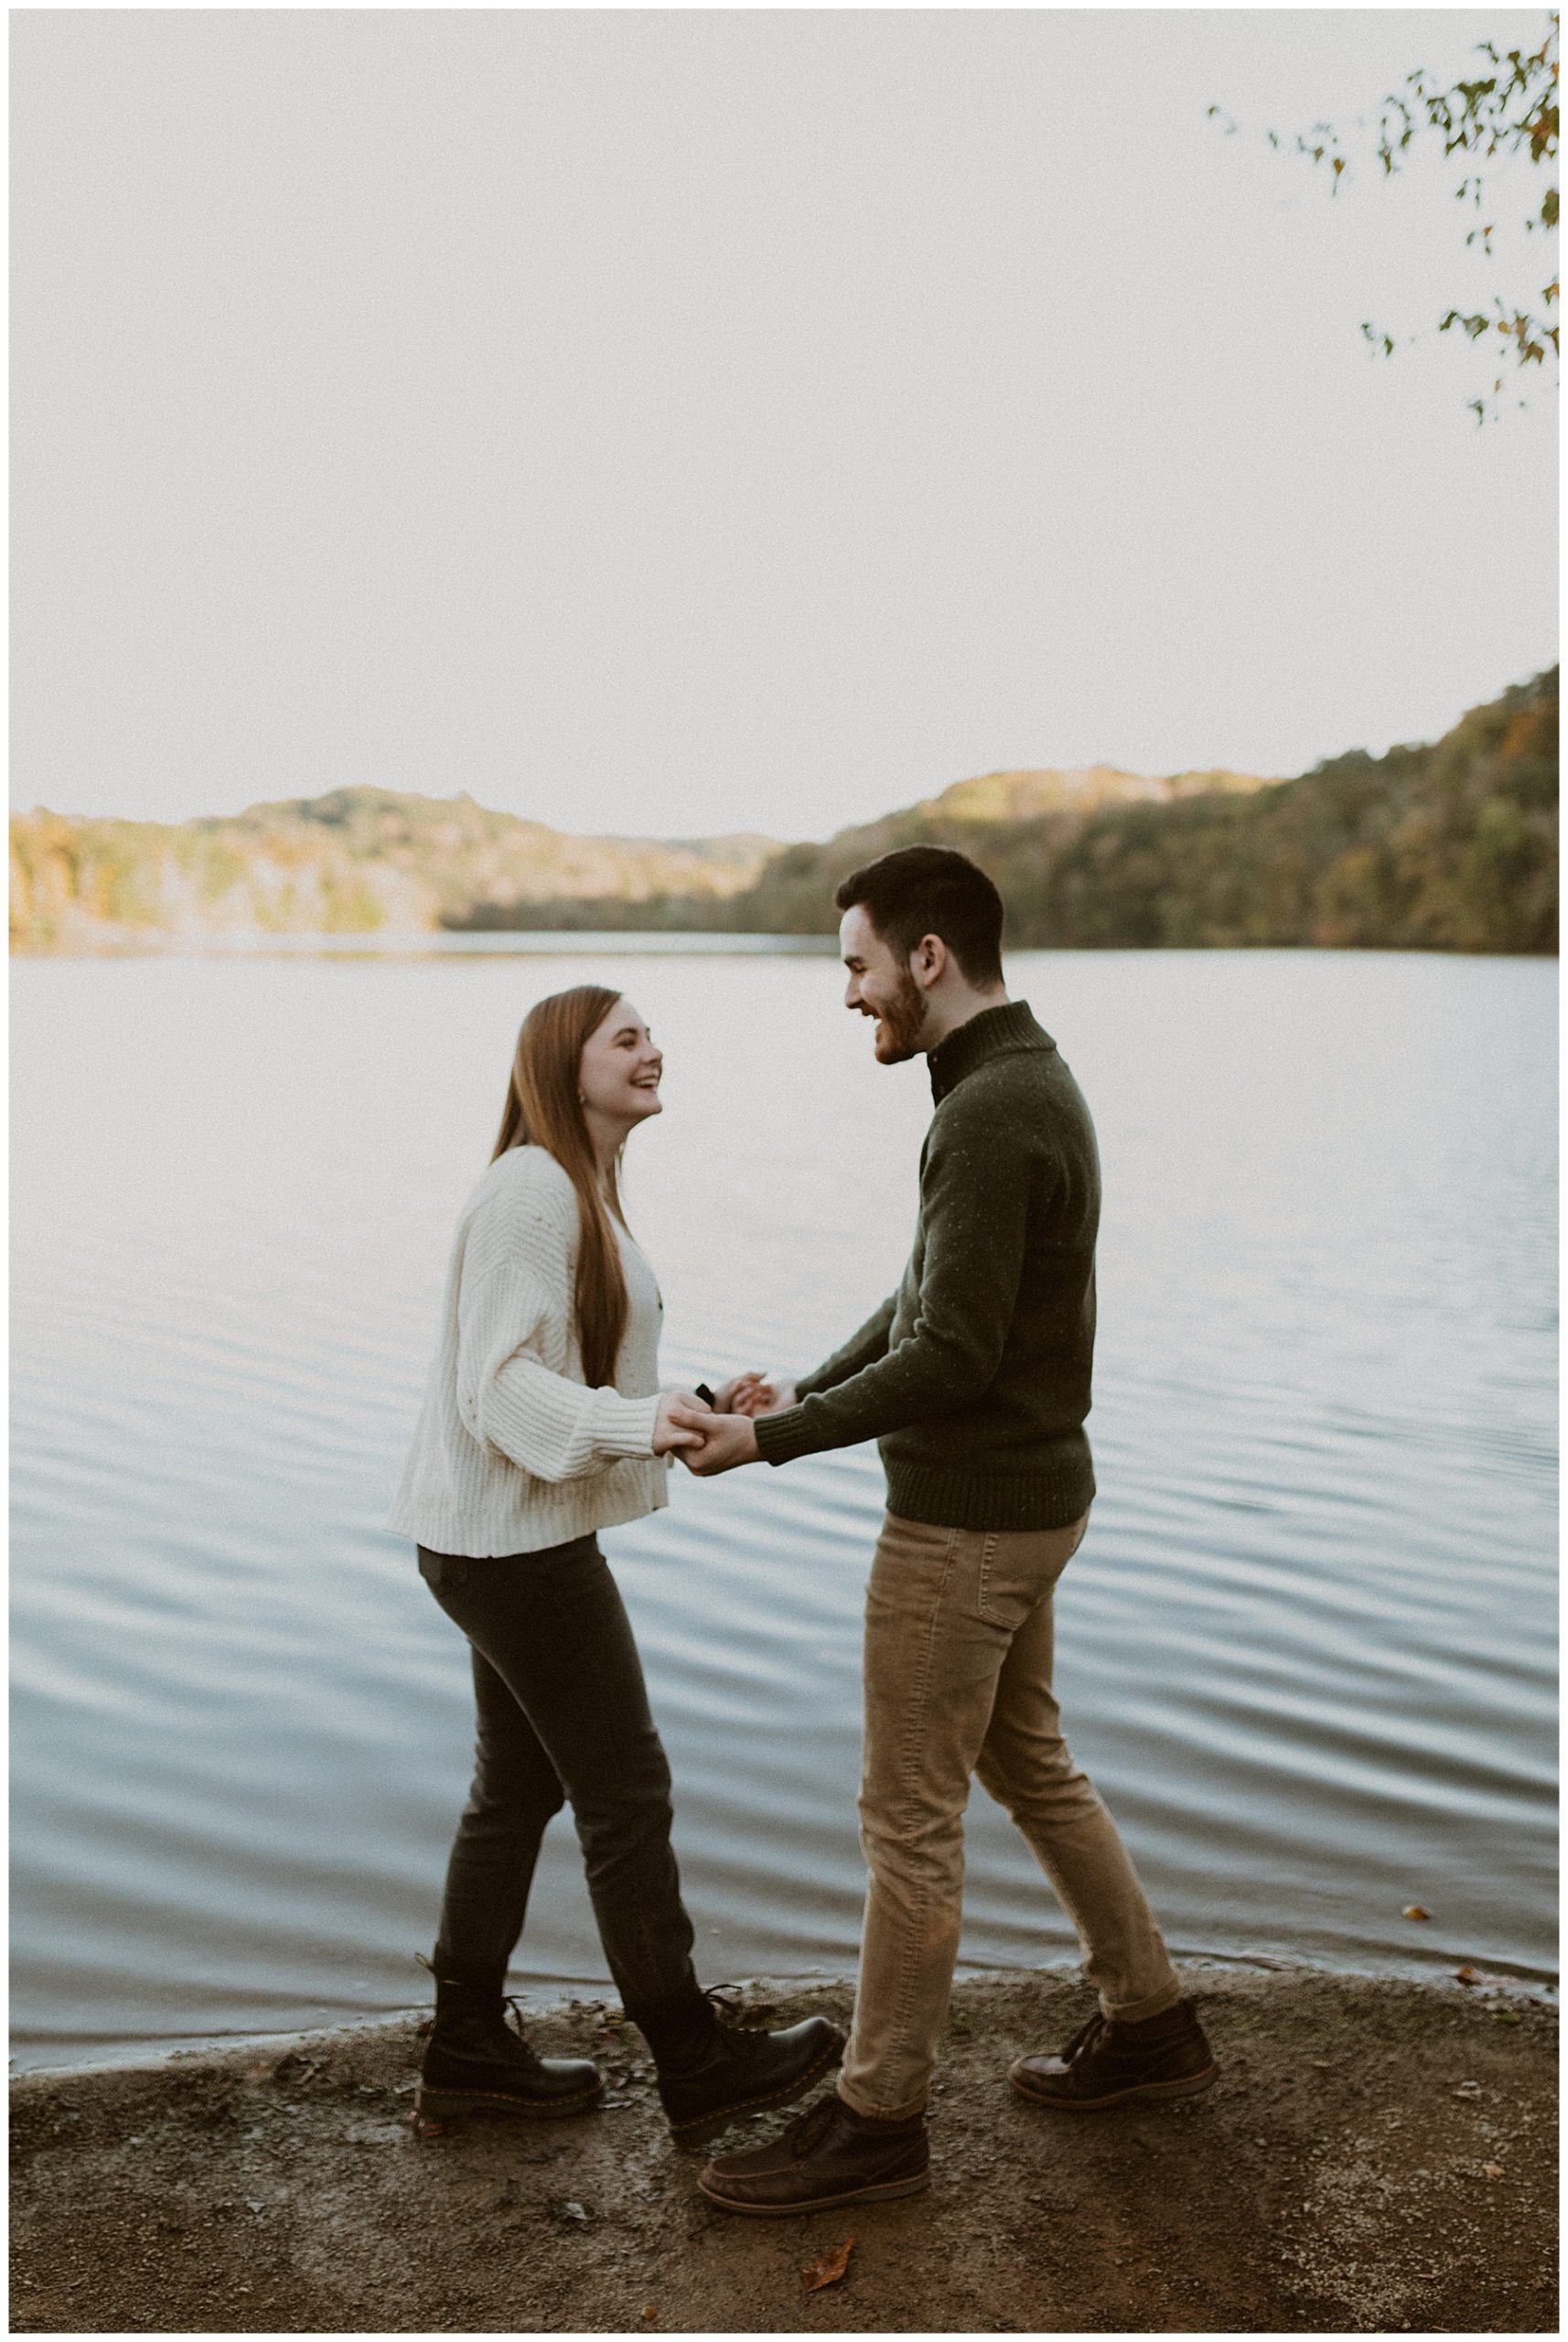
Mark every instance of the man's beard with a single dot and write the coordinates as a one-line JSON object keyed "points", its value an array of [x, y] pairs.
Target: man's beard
{"points": [[903, 1021]]}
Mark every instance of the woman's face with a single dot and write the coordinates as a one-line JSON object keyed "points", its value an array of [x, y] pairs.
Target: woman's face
{"points": [[620, 1069]]}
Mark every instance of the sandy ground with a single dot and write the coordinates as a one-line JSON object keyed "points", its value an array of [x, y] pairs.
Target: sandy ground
{"points": [[1374, 2156]]}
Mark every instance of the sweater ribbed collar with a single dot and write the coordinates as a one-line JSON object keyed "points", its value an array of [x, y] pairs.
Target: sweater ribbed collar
{"points": [[992, 1034]]}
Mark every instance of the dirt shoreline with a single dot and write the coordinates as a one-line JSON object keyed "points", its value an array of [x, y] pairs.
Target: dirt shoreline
{"points": [[1376, 2154]]}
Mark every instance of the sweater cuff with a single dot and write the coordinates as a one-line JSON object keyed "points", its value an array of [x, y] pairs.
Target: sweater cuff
{"points": [[781, 1437], [624, 1426]]}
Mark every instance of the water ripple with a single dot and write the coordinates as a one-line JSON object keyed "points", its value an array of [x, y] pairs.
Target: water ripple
{"points": [[1307, 1649]]}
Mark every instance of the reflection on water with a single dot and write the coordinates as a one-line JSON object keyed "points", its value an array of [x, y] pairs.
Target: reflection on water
{"points": [[1306, 1649]]}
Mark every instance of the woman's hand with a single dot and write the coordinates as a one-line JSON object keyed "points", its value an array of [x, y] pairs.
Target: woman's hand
{"points": [[669, 1434], [723, 1440]]}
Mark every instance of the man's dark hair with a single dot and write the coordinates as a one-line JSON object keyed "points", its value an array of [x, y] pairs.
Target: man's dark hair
{"points": [[930, 890]]}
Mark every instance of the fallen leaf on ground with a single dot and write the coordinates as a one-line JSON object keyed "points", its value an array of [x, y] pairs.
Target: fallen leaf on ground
{"points": [[1491, 2171], [828, 2269], [1416, 1911], [1467, 2089]]}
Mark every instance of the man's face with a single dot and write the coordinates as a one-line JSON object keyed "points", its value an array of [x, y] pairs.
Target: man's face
{"points": [[881, 985]]}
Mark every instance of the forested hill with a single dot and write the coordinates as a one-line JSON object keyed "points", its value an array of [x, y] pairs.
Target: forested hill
{"points": [[356, 860], [1451, 847], [1446, 847]]}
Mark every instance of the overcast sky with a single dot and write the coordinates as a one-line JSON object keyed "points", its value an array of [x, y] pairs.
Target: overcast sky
{"points": [[674, 423]]}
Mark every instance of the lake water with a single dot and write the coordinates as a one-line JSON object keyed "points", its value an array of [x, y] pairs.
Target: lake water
{"points": [[1306, 1650]]}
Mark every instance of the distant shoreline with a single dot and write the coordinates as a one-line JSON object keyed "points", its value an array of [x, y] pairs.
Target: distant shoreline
{"points": [[460, 944], [543, 1999], [709, 943], [1449, 847]]}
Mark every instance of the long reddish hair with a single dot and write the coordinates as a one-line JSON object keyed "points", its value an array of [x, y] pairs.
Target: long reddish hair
{"points": [[543, 1109]]}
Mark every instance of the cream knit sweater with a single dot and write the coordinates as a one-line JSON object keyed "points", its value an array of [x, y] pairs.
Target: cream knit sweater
{"points": [[513, 1452]]}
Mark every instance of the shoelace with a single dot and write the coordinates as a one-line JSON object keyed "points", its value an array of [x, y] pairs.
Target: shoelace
{"points": [[511, 2005], [808, 2129], [1081, 2039]]}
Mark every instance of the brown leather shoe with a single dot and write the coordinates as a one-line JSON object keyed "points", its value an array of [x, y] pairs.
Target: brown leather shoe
{"points": [[828, 2156], [1109, 2060]]}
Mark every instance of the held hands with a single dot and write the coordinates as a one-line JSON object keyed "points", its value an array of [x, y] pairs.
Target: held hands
{"points": [[720, 1441], [712, 1440], [678, 1424]]}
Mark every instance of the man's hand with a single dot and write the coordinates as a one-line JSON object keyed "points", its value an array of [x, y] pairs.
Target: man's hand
{"points": [[678, 1422], [754, 1395], [718, 1443]]}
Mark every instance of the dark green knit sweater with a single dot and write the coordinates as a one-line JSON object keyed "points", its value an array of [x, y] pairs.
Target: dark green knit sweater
{"points": [[974, 1376]]}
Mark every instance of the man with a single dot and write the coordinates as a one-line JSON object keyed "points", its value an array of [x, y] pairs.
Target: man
{"points": [[974, 1376]]}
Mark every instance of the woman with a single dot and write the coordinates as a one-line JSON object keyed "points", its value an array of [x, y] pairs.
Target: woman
{"points": [[542, 1424]]}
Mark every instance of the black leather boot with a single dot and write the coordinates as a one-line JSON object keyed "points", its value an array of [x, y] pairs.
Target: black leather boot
{"points": [[475, 2063], [710, 2071]]}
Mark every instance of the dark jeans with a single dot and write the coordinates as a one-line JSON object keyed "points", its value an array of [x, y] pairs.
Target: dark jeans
{"points": [[563, 1717]]}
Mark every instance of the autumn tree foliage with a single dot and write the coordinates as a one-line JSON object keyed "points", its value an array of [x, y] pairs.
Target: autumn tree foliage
{"points": [[1507, 108], [1447, 847]]}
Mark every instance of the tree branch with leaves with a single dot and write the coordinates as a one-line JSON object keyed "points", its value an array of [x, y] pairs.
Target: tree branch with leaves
{"points": [[1504, 111]]}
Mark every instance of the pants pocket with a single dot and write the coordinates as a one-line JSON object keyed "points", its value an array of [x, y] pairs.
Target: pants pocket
{"points": [[997, 1601], [1019, 1567]]}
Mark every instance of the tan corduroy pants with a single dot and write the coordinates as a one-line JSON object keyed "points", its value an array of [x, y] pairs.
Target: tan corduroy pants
{"points": [[958, 1681]]}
